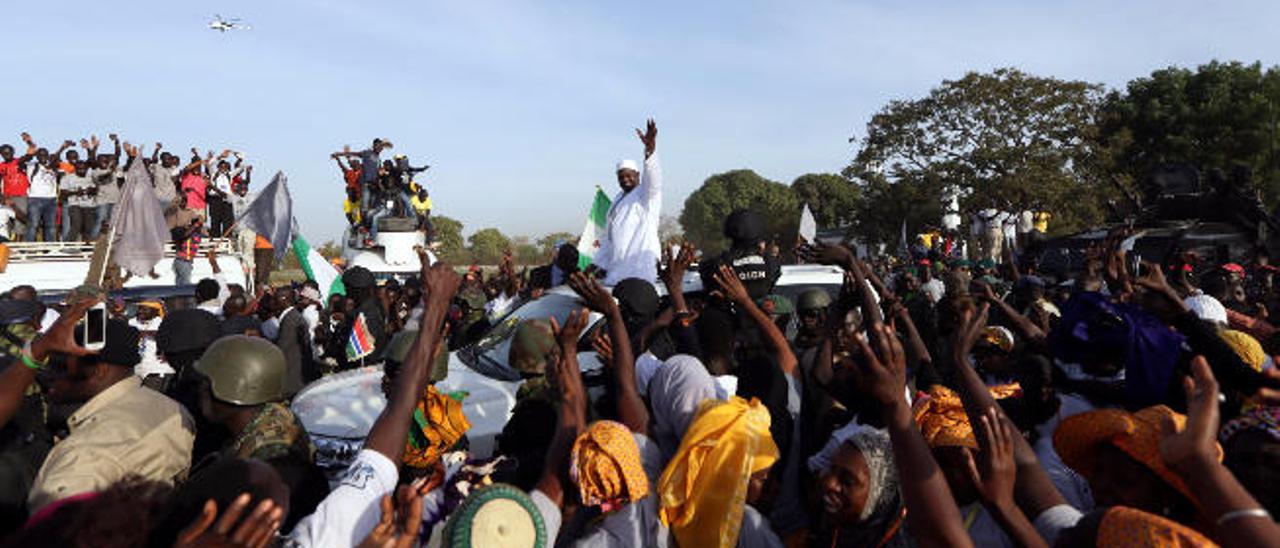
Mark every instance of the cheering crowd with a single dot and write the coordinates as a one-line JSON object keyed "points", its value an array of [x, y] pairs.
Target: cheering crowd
{"points": [[60, 195], [929, 401], [377, 188]]}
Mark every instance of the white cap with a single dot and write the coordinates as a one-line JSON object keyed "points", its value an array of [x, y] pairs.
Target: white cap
{"points": [[1208, 309], [628, 164]]}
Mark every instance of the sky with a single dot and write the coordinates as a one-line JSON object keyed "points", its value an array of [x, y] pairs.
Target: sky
{"points": [[522, 108]]}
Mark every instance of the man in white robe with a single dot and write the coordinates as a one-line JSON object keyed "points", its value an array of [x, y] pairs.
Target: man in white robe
{"points": [[630, 247]]}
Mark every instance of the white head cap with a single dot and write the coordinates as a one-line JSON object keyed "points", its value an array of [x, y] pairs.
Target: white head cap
{"points": [[628, 164], [1208, 308]]}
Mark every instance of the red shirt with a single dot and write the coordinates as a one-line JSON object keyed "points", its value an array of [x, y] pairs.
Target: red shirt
{"points": [[195, 187], [353, 178], [15, 181]]}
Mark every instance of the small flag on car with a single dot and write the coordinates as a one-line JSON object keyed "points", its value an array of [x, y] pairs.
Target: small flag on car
{"points": [[360, 343]]}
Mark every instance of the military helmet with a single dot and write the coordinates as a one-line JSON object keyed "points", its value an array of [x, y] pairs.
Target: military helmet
{"points": [[243, 370], [813, 299], [398, 351]]}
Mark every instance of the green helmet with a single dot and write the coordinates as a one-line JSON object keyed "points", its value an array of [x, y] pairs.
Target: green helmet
{"points": [[243, 370], [814, 299], [398, 351]]}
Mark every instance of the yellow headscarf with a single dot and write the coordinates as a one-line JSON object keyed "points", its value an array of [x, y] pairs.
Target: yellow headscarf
{"points": [[606, 466], [704, 488], [1245, 346], [1123, 527], [942, 419], [438, 423]]}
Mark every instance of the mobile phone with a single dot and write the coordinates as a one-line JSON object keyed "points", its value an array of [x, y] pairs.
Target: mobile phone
{"points": [[93, 328]]}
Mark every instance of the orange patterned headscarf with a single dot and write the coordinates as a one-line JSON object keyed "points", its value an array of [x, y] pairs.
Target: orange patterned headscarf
{"points": [[1123, 527], [606, 466], [438, 424], [941, 417], [1137, 434]]}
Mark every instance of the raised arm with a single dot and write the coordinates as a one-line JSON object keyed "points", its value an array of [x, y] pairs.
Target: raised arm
{"points": [[1033, 489], [59, 339], [439, 284], [631, 409], [1239, 519], [115, 156], [651, 177], [728, 281], [932, 516], [1021, 323], [572, 417]]}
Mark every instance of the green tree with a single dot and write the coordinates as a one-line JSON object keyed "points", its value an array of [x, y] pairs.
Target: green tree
{"points": [[547, 244], [1004, 138], [1221, 115], [448, 232], [487, 245], [832, 198], [705, 210], [525, 251]]}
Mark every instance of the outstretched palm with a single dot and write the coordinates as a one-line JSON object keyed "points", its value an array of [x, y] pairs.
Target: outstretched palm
{"points": [[649, 137]]}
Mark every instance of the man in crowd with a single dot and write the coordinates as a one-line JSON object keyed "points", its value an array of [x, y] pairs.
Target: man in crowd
{"points": [[630, 246], [185, 227], [121, 428]]}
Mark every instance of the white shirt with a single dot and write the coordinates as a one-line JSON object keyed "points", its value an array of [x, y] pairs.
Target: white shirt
{"points": [[163, 177], [108, 185], [497, 308], [222, 181], [44, 181], [351, 511], [72, 182], [630, 247], [7, 216], [152, 363]]}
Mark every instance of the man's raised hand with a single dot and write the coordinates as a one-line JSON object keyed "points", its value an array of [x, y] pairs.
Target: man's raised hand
{"points": [[649, 137]]}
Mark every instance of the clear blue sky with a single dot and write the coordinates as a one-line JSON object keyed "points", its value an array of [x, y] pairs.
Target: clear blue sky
{"points": [[523, 107]]}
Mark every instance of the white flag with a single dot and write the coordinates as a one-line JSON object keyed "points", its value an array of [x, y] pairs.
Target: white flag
{"points": [[808, 225]]}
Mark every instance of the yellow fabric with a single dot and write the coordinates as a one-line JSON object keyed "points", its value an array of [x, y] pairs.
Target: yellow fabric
{"points": [[420, 205], [351, 208], [942, 420], [1137, 434], [606, 466], [444, 426], [1123, 527], [153, 304], [1245, 346], [1040, 221], [704, 488]]}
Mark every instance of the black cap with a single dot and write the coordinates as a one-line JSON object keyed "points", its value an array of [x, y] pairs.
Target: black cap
{"points": [[189, 329], [121, 346], [15, 311], [636, 297], [744, 226], [357, 277]]}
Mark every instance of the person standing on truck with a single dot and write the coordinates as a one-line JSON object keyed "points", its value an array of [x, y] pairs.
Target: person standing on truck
{"points": [[185, 225], [13, 180], [630, 246]]}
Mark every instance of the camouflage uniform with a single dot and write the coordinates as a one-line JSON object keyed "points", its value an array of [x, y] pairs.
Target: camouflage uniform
{"points": [[274, 432]]}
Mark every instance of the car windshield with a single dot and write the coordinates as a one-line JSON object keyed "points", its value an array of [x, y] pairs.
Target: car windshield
{"points": [[488, 356]]}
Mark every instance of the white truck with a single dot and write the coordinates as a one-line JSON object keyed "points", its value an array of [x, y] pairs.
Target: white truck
{"points": [[58, 267]]}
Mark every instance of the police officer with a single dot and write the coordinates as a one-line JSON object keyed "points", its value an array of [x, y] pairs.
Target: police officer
{"points": [[759, 271]]}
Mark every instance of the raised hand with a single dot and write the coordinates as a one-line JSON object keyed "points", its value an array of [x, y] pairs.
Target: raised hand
{"points": [[574, 325], [970, 330], [84, 143], [994, 471], [822, 253], [883, 371], [603, 346], [60, 338], [592, 293], [114, 138], [649, 137], [256, 530], [1195, 444], [732, 287], [677, 265], [440, 282], [398, 527]]}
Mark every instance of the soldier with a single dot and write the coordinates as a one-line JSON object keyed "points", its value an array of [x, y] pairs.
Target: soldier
{"points": [[242, 383]]}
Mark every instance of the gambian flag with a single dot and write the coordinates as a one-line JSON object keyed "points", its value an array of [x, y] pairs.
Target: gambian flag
{"points": [[589, 243], [317, 268], [360, 343]]}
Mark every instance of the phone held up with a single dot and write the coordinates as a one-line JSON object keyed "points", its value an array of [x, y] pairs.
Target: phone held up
{"points": [[92, 329]]}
